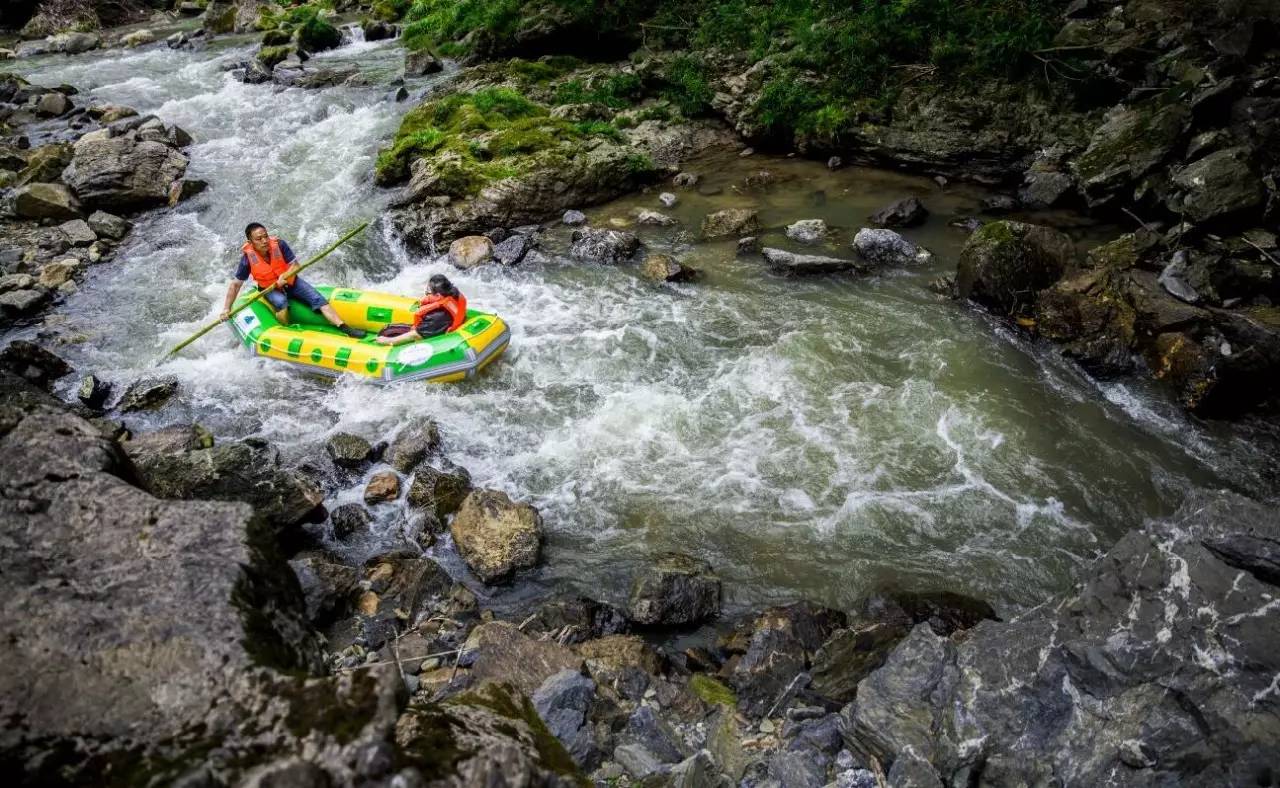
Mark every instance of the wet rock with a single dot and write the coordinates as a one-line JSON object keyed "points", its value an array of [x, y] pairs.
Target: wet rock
{"points": [[777, 655], [440, 491], [124, 173], [138, 38], [1186, 365], [656, 219], [946, 612], [646, 730], [808, 231], [328, 589], [93, 392], [383, 486], [676, 589], [349, 519], [835, 163], [885, 247], [668, 199], [1090, 315], [1174, 278], [395, 589], [686, 179], [603, 246], [148, 394], [78, 232], [1041, 190], [907, 212], [576, 620], [57, 273], [1218, 186], [33, 363], [183, 190], [573, 218], [1004, 264], [499, 651], [513, 249], [496, 737], [665, 268], [418, 64], [45, 201], [45, 164], [748, 246], [377, 30], [74, 43], [176, 439], [248, 471], [1129, 144], [413, 444], [563, 702], [496, 536], [731, 222], [1257, 554], [1129, 645], [804, 264], [850, 655], [349, 451]]}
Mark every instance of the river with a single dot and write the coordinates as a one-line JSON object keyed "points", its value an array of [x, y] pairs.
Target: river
{"points": [[808, 437]]}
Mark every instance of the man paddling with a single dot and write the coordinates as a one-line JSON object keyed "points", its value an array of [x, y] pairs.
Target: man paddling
{"points": [[270, 261]]}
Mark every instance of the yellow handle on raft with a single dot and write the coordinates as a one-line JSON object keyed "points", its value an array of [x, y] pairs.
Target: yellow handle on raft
{"points": [[262, 293]]}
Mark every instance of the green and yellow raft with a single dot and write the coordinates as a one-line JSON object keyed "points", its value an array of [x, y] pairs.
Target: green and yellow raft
{"points": [[309, 341]]}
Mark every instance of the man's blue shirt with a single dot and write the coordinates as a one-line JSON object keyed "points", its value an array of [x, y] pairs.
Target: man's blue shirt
{"points": [[242, 270]]}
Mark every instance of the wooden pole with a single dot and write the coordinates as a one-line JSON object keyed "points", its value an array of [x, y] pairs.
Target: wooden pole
{"points": [[262, 293]]}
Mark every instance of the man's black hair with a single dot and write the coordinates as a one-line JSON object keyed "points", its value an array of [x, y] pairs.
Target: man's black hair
{"points": [[248, 231], [441, 285]]}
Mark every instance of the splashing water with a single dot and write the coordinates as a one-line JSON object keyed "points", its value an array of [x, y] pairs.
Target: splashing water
{"points": [[808, 437]]}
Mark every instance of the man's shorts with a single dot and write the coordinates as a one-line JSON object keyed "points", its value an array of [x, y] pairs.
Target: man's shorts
{"points": [[298, 291]]}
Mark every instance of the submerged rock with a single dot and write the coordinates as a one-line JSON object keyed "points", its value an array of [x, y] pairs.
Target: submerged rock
{"points": [[665, 268], [676, 589], [349, 451], [497, 536], [148, 393], [907, 212], [885, 247], [1004, 264], [349, 519], [808, 231], [791, 263], [731, 222]]}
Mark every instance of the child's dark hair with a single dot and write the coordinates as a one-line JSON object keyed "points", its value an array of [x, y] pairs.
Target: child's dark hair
{"points": [[440, 285]]}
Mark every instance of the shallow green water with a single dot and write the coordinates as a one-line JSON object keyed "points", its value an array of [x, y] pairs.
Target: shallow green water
{"points": [[809, 437]]}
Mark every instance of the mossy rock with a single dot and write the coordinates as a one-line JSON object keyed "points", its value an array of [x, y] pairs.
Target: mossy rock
{"points": [[276, 37], [712, 692], [316, 35], [270, 56]]}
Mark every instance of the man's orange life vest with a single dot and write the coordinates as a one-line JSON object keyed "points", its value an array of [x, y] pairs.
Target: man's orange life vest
{"points": [[456, 306], [266, 272]]}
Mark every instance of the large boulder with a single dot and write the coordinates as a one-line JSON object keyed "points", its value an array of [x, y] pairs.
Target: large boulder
{"points": [[440, 491], [907, 212], [470, 251], [46, 201], [1159, 670], [499, 651], [885, 247], [1004, 264], [247, 471], [496, 536], [1091, 315], [782, 643], [1130, 143], [1219, 186], [603, 246], [675, 589], [124, 173]]}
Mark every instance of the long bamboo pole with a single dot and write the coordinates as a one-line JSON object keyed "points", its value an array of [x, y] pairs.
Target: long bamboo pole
{"points": [[262, 293]]}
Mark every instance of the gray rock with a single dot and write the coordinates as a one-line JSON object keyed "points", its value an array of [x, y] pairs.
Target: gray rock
{"points": [[329, 590], [52, 104], [74, 43], [655, 218], [835, 163], [148, 393], [1220, 185], [496, 536], [885, 247], [792, 263], [1045, 189], [576, 620], [78, 232], [686, 179], [676, 589], [808, 231], [665, 268], [93, 392], [773, 667], [850, 655], [1130, 143], [856, 778], [907, 212], [1174, 279], [413, 444], [603, 246], [45, 201], [418, 64], [440, 491], [731, 222], [563, 702], [646, 729], [499, 651], [798, 769], [348, 520], [748, 246], [698, 771], [124, 173], [349, 451], [637, 761], [1004, 264], [513, 249], [33, 363], [668, 199], [109, 226], [574, 218]]}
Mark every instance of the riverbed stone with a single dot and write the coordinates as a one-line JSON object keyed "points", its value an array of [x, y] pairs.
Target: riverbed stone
{"points": [[497, 536], [348, 451], [665, 268], [573, 218], [808, 231], [148, 393], [564, 702], [1004, 264], [124, 173], [329, 589], [907, 212], [46, 201], [645, 729], [511, 250], [782, 642], [470, 251], [413, 444], [1091, 316], [93, 392], [656, 219], [886, 247], [499, 651], [676, 589], [441, 491], [576, 620], [45, 164], [349, 519], [785, 262], [735, 222], [594, 245], [33, 363], [109, 225], [382, 487], [418, 64], [850, 655], [59, 272], [78, 232], [1218, 186]]}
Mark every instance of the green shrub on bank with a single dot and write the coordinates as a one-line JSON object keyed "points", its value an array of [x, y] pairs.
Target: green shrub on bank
{"points": [[487, 135], [390, 10]]}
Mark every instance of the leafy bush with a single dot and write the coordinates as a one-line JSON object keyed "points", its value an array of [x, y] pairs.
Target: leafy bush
{"points": [[390, 10]]}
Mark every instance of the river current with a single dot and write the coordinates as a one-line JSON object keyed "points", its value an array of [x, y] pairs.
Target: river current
{"points": [[809, 437]]}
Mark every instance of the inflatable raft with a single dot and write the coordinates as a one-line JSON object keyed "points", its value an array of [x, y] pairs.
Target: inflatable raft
{"points": [[309, 341]]}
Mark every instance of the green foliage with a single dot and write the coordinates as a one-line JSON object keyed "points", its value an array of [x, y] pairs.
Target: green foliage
{"points": [[390, 10], [599, 128], [615, 91], [489, 134], [435, 23], [275, 38], [687, 86], [712, 692]]}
